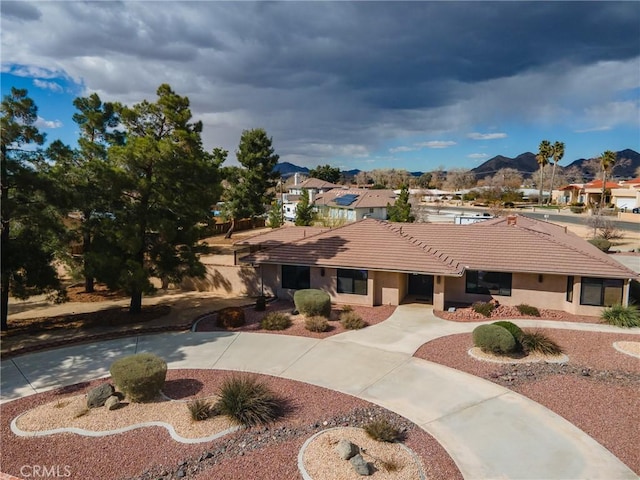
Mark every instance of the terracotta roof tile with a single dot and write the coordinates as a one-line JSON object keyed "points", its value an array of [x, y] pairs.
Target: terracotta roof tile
{"points": [[316, 183], [528, 246], [365, 199]]}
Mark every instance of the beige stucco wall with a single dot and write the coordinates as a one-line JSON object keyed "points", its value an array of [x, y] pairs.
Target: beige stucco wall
{"points": [[388, 287], [227, 280]]}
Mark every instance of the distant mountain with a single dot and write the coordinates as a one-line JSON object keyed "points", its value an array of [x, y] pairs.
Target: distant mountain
{"points": [[287, 169], [623, 169], [525, 163]]}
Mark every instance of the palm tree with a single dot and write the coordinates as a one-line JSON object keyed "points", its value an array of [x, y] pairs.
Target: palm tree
{"points": [[544, 153], [607, 161], [557, 152]]}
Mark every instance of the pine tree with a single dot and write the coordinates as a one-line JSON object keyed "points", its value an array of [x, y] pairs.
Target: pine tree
{"points": [[401, 210], [304, 210]]}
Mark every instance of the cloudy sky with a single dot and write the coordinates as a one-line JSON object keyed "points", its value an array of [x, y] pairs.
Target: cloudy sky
{"points": [[363, 85]]}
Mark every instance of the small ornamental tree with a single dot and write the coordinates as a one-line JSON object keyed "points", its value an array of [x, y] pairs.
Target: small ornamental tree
{"points": [[401, 210], [304, 210]]}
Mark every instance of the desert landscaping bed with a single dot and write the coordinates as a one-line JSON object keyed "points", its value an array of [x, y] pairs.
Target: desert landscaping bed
{"points": [[597, 390], [266, 452], [467, 314], [371, 315]]}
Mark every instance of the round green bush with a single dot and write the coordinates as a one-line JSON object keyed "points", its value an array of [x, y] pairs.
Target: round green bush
{"points": [[275, 321], [494, 339], [140, 377], [312, 302], [513, 329], [230, 317], [601, 243]]}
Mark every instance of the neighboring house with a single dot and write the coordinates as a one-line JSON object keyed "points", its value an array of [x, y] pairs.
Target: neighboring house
{"points": [[313, 186], [587, 193], [514, 260], [627, 195], [354, 204]]}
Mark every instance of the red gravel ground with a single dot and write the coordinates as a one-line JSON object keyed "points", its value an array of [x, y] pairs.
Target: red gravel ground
{"points": [[372, 315], [467, 314], [256, 454], [605, 404]]}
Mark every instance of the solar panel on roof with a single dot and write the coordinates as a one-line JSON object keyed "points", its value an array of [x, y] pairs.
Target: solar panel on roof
{"points": [[346, 200]]}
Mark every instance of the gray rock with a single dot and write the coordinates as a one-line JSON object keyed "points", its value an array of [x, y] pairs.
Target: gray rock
{"points": [[98, 395], [346, 449], [112, 402], [360, 465]]}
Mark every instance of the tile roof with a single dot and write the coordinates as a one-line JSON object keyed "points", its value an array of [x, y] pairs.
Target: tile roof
{"points": [[529, 246], [365, 199], [598, 184], [367, 244], [278, 236], [317, 184]]}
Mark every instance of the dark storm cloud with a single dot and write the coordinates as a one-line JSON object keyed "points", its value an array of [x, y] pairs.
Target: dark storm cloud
{"points": [[339, 76], [19, 11]]}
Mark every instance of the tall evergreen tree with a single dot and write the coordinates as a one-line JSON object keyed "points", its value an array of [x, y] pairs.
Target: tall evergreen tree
{"points": [[401, 210], [250, 188], [275, 215], [167, 185], [31, 226], [81, 173], [326, 173], [304, 210]]}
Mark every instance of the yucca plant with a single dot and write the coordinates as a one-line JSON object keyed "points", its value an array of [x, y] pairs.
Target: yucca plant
{"points": [[620, 316], [539, 342]]}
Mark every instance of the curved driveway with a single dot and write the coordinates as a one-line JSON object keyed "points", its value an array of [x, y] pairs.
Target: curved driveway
{"points": [[489, 431]]}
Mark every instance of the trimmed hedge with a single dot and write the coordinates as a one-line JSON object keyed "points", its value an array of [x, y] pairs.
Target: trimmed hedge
{"points": [[494, 339], [312, 302], [513, 329], [140, 377]]}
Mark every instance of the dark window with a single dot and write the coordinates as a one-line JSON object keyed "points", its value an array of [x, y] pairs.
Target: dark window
{"points": [[488, 283], [296, 277], [601, 292], [352, 281], [569, 288]]}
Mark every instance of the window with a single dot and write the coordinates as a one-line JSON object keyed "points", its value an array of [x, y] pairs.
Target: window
{"points": [[601, 292], [296, 277], [570, 289], [352, 281], [488, 283]]}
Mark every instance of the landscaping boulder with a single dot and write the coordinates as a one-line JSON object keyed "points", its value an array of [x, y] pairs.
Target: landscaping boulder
{"points": [[360, 465], [112, 402], [98, 395], [346, 449]]}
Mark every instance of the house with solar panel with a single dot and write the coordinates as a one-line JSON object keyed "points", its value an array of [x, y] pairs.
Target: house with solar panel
{"points": [[512, 260], [354, 204], [313, 186]]}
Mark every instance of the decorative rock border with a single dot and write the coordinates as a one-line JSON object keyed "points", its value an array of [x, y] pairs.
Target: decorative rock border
{"points": [[478, 354], [626, 347], [306, 476]]}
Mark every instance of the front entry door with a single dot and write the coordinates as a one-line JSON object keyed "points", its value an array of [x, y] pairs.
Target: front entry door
{"points": [[421, 286]]}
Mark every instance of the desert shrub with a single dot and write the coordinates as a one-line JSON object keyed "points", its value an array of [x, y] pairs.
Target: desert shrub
{"points": [[601, 243], [530, 310], [513, 329], [483, 308], [539, 342], [352, 321], [312, 302], [622, 316], [200, 409], [140, 377], [316, 324], [246, 400], [382, 431], [347, 308], [494, 339], [230, 317], [275, 321]]}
